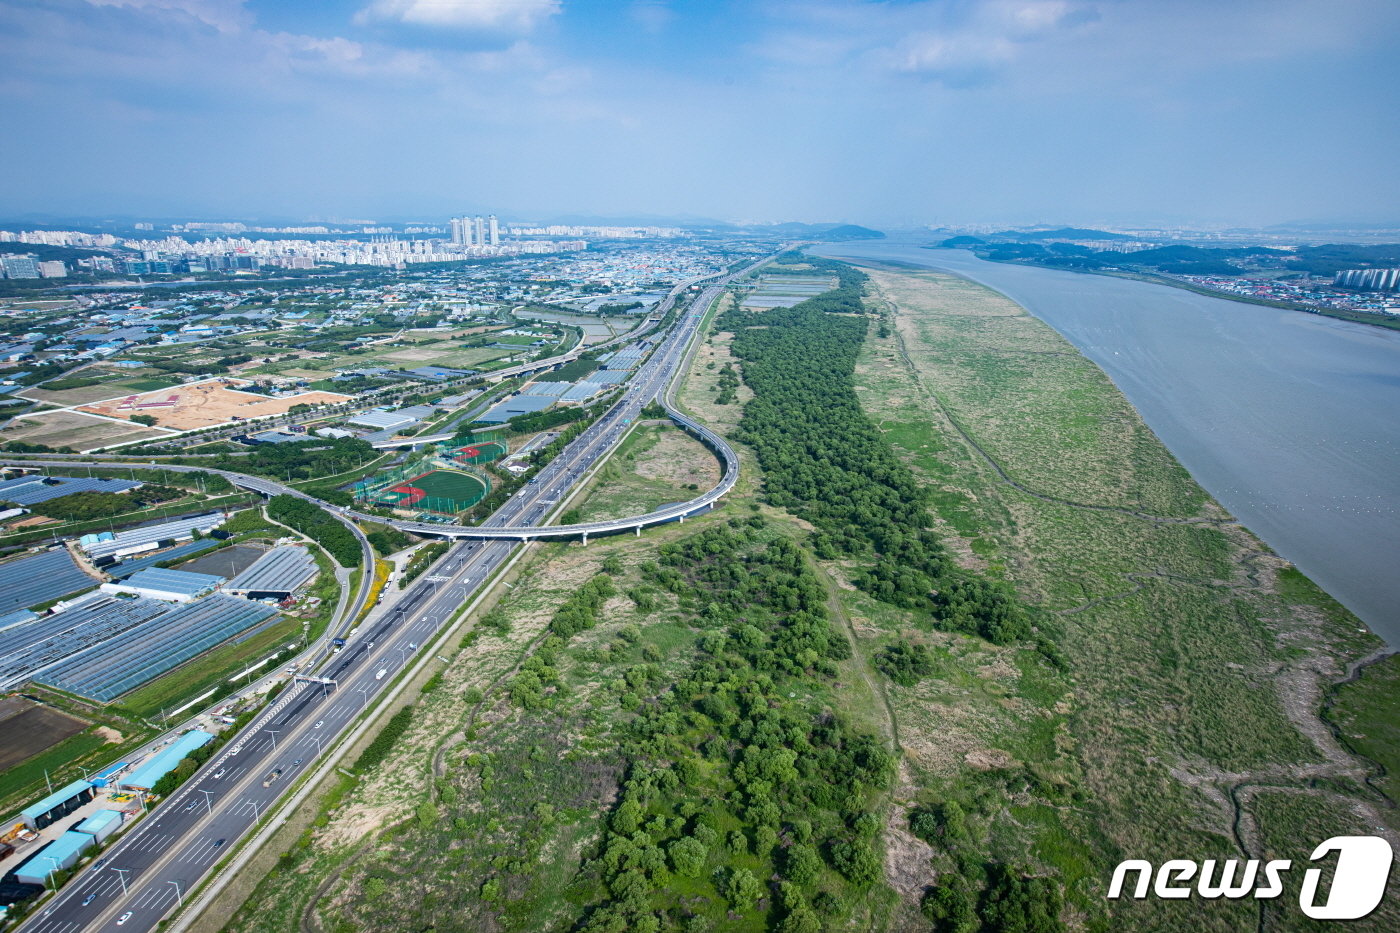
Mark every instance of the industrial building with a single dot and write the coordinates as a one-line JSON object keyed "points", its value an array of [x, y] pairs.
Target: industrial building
{"points": [[101, 824], [40, 578], [179, 552], [106, 671], [276, 575], [174, 586], [144, 777], [56, 805], [149, 537], [62, 853], [381, 420], [36, 487]]}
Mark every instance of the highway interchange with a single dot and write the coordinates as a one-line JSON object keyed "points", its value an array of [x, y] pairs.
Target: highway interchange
{"points": [[155, 865]]}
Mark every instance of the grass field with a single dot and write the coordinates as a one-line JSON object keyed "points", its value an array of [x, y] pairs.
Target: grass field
{"points": [[112, 384], [1197, 661], [74, 429], [441, 490], [655, 466]]}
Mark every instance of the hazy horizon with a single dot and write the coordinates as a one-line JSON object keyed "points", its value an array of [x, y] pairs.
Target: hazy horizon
{"points": [[888, 114]]}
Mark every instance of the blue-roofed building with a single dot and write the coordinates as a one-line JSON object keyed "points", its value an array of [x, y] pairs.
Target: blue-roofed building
{"points": [[101, 824], [56, 805], [164, 761], [174, 586], [63, 852], [105, 776], [179, 552]]}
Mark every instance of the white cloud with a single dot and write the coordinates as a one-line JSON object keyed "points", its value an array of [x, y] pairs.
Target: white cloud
{"points": [[516, 16], [224, 15]]}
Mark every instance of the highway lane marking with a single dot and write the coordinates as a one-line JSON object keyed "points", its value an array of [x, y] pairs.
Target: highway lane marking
{"points": [[150, 841]]}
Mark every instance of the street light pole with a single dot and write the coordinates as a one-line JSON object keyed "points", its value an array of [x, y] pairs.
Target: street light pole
{"points": [[208, 796], [179, 898], [273, 733], [121, 873]]}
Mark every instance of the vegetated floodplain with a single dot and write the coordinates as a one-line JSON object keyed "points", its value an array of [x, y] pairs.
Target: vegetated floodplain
{"points": [[759, 720], [1196, 661]]}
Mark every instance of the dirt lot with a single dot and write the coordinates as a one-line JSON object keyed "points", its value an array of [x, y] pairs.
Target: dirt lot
{"points": [[213, 401], [72, 429], [30, 728]]}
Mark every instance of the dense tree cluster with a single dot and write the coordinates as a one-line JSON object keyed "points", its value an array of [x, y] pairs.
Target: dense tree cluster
{"points": [[826, 462], [905, 664], [85, 506], [316, 524], [383, 743], [737, 789]]}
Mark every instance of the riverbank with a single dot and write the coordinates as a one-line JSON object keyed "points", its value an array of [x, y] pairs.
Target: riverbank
{"points": [[1357, 317], [1189, 724], [1285, 419]]}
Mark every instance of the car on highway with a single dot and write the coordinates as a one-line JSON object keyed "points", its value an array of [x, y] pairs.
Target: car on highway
{"points": [[220, 773], [319, 724], [276, 773], [89, 899], [124, 918]]}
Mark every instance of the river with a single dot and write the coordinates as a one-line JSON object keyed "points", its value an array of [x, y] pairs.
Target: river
{"points": [[1290, 420]]}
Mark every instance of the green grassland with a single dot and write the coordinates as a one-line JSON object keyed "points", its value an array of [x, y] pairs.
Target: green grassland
{"points": [[656, 465], [1197, 660]]}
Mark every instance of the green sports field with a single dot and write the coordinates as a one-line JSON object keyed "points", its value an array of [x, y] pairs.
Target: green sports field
{"points": [[443, 490]]}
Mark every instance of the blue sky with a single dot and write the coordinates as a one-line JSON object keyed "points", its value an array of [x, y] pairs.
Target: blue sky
{"points": [[938, 111]]}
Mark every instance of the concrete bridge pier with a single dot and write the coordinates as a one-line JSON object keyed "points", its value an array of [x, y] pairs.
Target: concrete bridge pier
{"points": [[639, 531]]}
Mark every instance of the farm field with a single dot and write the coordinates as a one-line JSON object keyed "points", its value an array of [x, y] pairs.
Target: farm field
{"points": [[111, 385], [30, 728], [74, 429], [208, 402], [1197, 662]]}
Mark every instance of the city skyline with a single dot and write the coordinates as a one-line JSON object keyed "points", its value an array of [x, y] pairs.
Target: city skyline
{"points": [[1001, 111]]}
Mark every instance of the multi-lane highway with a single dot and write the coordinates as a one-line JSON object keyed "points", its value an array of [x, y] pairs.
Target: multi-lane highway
{"points": [[151, 869]]}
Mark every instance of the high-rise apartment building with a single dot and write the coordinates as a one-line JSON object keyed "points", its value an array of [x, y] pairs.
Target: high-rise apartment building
{"points": [[495, 230], [479, 226], [460, 232], [53, 269]]}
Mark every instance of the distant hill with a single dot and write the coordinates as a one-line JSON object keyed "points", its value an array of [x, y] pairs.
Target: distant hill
{"points": [[851, 232], [1063, 233], [963, 242], [822, 231]]}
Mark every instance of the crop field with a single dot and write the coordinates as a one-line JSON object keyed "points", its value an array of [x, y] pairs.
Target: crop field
{"points": [[206, 403], [110, 384], [1197, 661], [30, 728], [73, 429]]}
